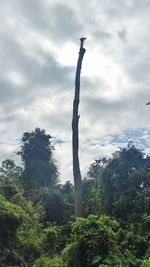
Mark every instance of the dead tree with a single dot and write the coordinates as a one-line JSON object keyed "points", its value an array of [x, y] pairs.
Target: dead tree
{"points": [[75, 135]]}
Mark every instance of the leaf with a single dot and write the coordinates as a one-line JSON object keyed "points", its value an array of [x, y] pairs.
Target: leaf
{"points": [[131, 258], [96, 259]]}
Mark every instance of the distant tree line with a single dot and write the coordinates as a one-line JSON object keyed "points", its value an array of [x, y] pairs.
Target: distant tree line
{"points": [[37, 223]]}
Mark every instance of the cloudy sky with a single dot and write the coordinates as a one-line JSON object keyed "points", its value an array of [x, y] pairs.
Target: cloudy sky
{"points": [[39, 43]]}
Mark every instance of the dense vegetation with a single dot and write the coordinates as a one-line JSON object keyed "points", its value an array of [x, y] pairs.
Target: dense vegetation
{"points": [[37, 223]]}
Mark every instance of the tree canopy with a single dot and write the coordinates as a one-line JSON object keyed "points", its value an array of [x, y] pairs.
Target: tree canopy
{"points": [[37, 223], [37, 156], [125, 181]]}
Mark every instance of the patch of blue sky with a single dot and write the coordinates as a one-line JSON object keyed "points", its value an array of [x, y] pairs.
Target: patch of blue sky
{"points": [[140, 137], [57, 141]]}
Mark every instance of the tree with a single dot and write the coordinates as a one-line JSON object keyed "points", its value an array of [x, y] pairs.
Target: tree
{"points": [[10, 170], [95, 171], [75, 136], [92, 188], [54, 207], [10, 183], [36, 154], [125, 181]]}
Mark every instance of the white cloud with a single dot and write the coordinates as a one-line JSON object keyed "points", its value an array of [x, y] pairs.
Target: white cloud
{"points": [[38, 55]]}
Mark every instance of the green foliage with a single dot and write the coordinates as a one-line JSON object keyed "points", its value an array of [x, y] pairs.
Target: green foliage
{"points": [[10, 183], [95, 171], [11, 217], [31, 238], [124, 180], [52, 239], [37, 226], [146, 263], [67, 193], [9, 189], [132, 240], [30, 234], [92, 188], [54, 207], [48, 262], [91, 197], [36, 154], [10, 170], [35, 239], [92, 241]]}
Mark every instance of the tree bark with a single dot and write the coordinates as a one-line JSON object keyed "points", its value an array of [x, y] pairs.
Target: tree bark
{"points": [[75, 136]]}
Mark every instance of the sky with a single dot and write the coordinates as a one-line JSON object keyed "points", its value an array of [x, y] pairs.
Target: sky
{"points": [[38, 55]]}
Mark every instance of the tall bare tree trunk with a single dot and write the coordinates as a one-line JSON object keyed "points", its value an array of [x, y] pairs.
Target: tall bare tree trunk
{"points": [[75, 136]]}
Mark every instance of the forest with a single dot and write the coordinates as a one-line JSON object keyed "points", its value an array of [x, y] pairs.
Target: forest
{"points": [[37, 223]]}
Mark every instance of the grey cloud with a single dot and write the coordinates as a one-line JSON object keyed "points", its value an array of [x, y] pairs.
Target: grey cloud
{"points": [[13, 56], [58, 21], [137, 64], [122, 35], [101, 35], [118, 30], [65, 21], [39, 80], [109, 115], [127, 8]]}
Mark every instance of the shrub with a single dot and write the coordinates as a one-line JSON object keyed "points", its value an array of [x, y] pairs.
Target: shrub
{"points": [[48, 262], [11, 216], [146, 263], [93, 239]]}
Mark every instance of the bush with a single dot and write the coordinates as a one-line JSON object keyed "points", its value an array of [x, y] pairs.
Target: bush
{"points": [[93, 240], [11, 216], [146, 263], [30, 237], [51, 239], [47, 262]]}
